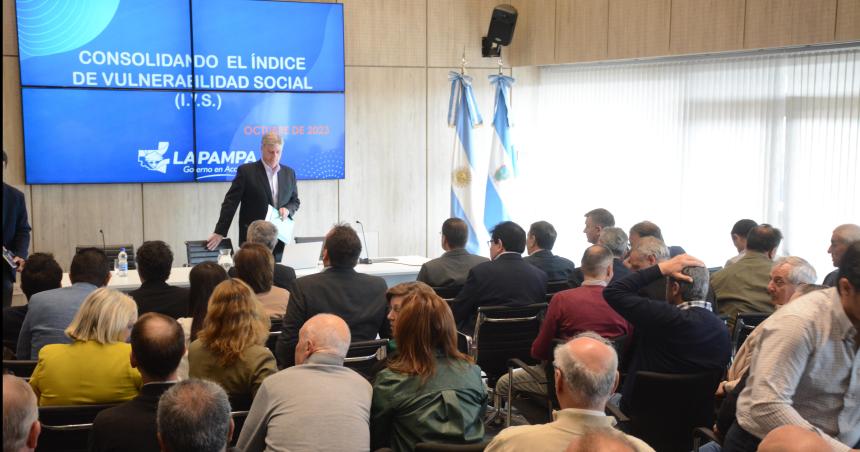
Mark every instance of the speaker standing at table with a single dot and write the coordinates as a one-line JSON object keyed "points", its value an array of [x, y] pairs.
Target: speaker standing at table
{"points": [[256, 186], [16, 234]]}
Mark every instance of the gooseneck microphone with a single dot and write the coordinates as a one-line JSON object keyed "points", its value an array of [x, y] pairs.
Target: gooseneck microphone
{"points": [[104, 247], [364, 260]]}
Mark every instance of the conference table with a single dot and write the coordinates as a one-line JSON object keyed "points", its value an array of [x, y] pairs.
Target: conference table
{"points": [[394, 270]]}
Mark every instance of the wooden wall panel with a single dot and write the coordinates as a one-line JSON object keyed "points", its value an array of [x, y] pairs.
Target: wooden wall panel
{"points": [[68, 215], [534, 36], [700, 26], [582, 30], [386, 135], [848, 20], [455, 24], [440, 145], [10, 33], [638, 28], [777, 23], [13, 140], [318, 211], [385, 32]]}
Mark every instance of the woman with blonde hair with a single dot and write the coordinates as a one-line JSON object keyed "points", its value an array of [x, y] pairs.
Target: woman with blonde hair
{"points": [[229, 349], [95, 367], [430, 391]]}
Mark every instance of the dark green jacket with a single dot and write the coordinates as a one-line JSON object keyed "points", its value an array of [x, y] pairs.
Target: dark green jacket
{"points": [[448, 407]]}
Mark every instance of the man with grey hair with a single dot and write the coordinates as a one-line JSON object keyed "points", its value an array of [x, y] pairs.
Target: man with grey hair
{"points": [[842, 236], [682, 336], [615, 240], [194, 416], [586, 375], [20, 415], [266, 233], [315, 405], [647, 252]]}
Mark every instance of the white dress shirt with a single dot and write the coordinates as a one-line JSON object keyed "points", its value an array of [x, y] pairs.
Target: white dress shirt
{"points": [[272, 175]]}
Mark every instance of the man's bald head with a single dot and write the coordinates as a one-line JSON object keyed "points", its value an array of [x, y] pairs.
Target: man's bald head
{"points": [[792, 438], [20, 415], [327, 333], [157, 346], [842, 236], [589, 366]]}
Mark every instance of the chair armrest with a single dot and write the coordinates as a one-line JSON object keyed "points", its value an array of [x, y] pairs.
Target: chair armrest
{"points": [[615, 412], [700, 433], [516, 363]]}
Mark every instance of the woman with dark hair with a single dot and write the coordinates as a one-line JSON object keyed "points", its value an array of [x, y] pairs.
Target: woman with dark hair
{"points": [[202, 279], [255, 265], [430, 391]]}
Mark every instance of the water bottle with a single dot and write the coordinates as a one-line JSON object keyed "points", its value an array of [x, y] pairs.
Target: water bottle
{"points": [[225, 260], [122, 268]]}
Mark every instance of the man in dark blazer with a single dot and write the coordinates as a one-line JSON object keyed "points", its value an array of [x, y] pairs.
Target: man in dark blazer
{"points": [[16, 233], [451, 268], [258, 185], [357, 298], [507, 280], [157, 346], [154, 261], [539, 243]]}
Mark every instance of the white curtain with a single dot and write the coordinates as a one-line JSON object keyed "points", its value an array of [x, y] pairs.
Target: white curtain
{"points": [[696, 145]]}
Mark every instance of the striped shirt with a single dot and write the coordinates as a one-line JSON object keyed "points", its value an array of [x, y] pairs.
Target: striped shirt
{"points": [[806, 372]]}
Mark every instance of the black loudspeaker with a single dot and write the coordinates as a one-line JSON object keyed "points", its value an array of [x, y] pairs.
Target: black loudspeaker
{"points": [[502, 25]]}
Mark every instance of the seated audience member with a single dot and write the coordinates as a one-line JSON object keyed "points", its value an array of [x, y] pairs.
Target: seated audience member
{"points": [[742, 286], [157, 345], [792, 438], [539, 243], [255, 265], [429, 390], [41, 272], [357, 298], [595, 221], [572, 312], [506, 280], [804, 371], [398, 296], [788, 275], [154, 261], [203, 279], [230, 349], [605, 439], [615, 239], [95, 367], [451, 268], [266, 234], [739, 238], [21, 426], [586, 375], [842, 237], [194, 416], [649, 251], [316, 405], [51, 311], [682, 336], [649, 229]]}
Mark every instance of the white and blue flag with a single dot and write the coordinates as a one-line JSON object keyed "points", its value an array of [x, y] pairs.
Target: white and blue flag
{"points": [[466, 190], [503, 160]]}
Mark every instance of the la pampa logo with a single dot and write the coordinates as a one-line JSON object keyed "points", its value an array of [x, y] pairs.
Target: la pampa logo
{"points": [[153, 159]]}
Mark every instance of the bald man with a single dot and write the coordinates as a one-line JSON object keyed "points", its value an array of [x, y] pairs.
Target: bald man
{"points": [[315, 405], [586, 375], [792, 438], [842, 236], [20, 415]]}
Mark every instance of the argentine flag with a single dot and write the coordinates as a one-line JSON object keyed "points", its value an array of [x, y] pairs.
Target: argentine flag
{"points": [[466, 191], [503, 159]]}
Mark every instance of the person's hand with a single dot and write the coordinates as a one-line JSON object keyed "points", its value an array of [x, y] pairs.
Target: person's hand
{"points": [[213, 241], [283, 212], [19, 261], [721, 390], [673, 266]]}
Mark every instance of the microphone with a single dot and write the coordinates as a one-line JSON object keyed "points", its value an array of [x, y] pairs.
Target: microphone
{"points": [[365, 260], [104, 247]]}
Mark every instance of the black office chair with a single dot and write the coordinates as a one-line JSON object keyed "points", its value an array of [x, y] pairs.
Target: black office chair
{"points": [[67, 428], [196, 251], [364, 357], [442, 447], [744, 325], [503, 333], [535, 408], [274, 332], [448, 292], [112, 252], [21, 368], [553, 287], [665, 408]]}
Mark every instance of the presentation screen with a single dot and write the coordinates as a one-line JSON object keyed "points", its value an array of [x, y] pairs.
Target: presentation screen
{"points": [[117, 91]]}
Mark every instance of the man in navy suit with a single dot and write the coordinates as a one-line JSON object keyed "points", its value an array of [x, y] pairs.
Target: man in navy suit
{"points": [[256, 186], [16, 233], [507, 280]]}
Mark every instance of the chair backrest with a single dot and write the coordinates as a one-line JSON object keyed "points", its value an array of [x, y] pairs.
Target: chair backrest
{"points": [[503, 333], [274, 332], [553, 287], [112, 251], [665, 408], [196, 251], [364, 356], [744, 324], [441, 447], [67, 428], [448, 292], [21, 368]]}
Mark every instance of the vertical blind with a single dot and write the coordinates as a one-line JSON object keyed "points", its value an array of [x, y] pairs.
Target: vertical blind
{"points": [[696, 145]]}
